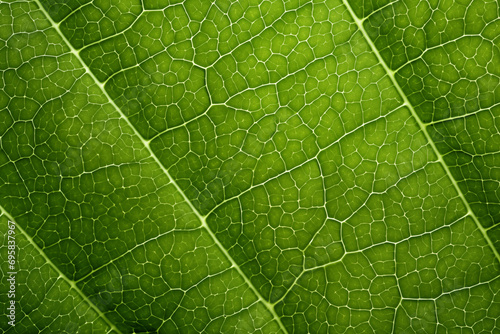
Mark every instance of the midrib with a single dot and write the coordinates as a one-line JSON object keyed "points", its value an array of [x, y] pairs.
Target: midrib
{"points": [[422, 126], [71, 283], [267, 304]]}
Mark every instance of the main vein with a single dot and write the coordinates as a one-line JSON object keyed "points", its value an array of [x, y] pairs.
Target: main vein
{"points": [[422, 126], [267, 304]]}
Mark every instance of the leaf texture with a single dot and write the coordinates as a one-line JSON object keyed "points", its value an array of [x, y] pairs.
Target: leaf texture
{"points": [[251, 166]]}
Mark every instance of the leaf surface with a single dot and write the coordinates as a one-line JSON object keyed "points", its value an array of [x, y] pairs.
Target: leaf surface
{"points": [[251, 166]]}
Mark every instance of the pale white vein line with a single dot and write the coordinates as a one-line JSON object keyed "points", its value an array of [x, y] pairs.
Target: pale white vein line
{"points": [[464, 116], [48, 290], [60, 273], [422, 126], [426, 51], [313, 158], [379, 10], [131, 250], [395, 243], [267, 304]]}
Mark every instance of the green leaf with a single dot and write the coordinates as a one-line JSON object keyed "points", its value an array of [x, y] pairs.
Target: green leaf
{"points": [[250, 166]]}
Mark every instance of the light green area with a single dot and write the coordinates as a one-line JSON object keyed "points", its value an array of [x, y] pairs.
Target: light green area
{"points": [[251, 166]]}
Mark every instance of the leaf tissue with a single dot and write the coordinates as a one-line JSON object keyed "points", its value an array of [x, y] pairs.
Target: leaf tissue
{"points": [[253, 166]]}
